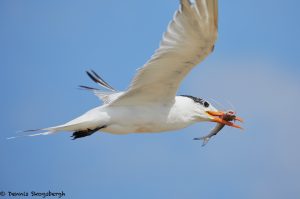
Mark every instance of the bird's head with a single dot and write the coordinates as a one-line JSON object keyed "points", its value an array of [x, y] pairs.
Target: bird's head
{"points": [[205, 111]]}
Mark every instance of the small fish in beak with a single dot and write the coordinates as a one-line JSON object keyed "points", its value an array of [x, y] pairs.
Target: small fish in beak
{"points": [[222, 118]]}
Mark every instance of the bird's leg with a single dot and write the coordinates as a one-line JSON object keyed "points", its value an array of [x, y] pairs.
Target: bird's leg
{"points": [[84, 133]]}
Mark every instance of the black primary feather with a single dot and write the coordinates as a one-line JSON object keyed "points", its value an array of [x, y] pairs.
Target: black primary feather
{"points": [[96, 78]]}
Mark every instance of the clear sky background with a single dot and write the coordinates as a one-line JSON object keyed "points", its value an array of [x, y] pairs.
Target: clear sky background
{"points": [[45, 47]]}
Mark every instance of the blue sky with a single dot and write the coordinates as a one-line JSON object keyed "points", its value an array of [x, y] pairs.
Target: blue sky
{"points": [[45, 47]]}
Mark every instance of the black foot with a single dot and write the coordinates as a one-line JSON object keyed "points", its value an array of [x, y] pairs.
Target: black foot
{"points": [[84, 133]]}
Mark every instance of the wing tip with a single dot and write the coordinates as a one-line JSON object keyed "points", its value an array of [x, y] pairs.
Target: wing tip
{"points": [[97, 79]]}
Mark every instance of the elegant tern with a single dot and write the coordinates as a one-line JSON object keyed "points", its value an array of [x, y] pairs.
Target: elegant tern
{"points": [[150, 103]]}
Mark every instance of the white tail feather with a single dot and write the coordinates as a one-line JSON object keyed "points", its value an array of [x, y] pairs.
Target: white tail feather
{"points": [[31, 135], [51, 130]]}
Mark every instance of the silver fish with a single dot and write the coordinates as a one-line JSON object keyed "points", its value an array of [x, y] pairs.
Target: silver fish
{"points": [[228, 116]]}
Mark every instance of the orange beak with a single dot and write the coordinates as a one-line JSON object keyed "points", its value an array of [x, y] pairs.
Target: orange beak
{"points": [[217, 116]]}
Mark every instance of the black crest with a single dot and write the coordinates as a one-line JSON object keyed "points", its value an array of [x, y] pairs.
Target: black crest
{"points": [[197, 100]]}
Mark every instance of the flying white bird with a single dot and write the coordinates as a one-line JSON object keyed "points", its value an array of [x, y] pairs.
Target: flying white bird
{"points": [[150, 104]]}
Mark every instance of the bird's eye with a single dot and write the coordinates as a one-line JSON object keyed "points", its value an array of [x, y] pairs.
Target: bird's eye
{"points": [[206, 104]]}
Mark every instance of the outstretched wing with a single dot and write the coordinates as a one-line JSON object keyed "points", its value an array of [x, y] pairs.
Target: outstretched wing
{"points": [[105, 96], [190, 37]]}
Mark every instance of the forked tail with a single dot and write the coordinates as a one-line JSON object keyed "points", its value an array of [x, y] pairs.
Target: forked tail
{"points": [[47, 131], [79, 130]]}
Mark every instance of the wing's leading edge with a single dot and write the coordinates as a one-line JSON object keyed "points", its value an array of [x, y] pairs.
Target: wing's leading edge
{"points": [[190, 37]]}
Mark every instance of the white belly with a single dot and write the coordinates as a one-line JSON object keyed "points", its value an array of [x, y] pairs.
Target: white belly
{"points": [[139, 128], [143, 120]]}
